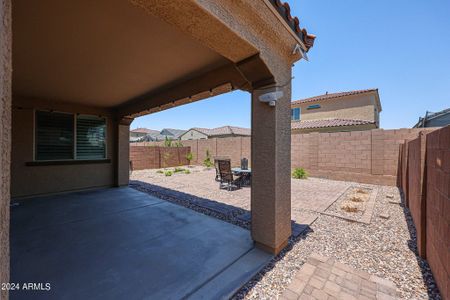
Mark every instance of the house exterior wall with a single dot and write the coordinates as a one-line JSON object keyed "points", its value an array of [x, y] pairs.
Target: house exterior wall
{"points": [[5, 138], [35, 180], [193, 135], [360, 107]]}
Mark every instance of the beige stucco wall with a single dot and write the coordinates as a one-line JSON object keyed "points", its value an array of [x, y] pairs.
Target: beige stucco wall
{"points": [[5, 137], [193, 135], [35, 180], [360, 107]]}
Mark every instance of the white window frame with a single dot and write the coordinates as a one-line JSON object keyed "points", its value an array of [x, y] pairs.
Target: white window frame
{"points": [[299, 114]]}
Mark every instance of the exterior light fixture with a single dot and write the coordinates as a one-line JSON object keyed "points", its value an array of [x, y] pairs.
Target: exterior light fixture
{"points": [[300, 50], [271, 97]]}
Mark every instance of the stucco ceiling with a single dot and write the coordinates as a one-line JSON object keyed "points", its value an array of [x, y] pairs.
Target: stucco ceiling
{"points": [[100, 53]]}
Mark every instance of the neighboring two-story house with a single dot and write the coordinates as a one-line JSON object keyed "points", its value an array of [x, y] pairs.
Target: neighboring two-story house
{"points": [[347, 111]]}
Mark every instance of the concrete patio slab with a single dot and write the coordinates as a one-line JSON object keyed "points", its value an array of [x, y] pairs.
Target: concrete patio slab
{"points": [[121, 243]]}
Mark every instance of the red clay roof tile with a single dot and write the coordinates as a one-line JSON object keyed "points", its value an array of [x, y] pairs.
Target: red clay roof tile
{"points": [[328, 123], [332, 96], [284, 10]]}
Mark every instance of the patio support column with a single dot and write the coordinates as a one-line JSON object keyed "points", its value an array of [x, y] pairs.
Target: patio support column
{"points": [[123, 151], [271, 167], [5, 138]]}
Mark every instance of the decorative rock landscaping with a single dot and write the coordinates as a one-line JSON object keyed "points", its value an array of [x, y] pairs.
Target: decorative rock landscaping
{"points": [[385, 248]]}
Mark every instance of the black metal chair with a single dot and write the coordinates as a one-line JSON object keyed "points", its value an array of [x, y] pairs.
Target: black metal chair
{"points": [[216, 166], [244, 164], [227, 179]]}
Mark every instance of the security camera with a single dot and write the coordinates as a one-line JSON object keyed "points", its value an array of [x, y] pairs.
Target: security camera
{"points": [[271, 97]]}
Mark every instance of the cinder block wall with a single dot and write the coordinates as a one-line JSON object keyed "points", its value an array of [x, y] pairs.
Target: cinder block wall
{"points": [[234, 148], [426, 189], [370, 156], [416, 193], [438, 207], [155, 157]]}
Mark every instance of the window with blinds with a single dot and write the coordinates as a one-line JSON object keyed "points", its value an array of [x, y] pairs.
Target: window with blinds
{"points": [[295, 114], [54, 136], [91, 135], [62, 136]]}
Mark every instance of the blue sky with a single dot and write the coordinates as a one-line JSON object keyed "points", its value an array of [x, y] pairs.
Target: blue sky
{"points": [[400, 47]]}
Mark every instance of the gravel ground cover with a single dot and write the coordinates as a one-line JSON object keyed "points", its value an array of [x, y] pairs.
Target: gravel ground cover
{"points": [[385, 247]]}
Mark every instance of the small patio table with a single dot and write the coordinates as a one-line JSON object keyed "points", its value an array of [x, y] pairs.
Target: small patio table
{"points": [[246, 175]]}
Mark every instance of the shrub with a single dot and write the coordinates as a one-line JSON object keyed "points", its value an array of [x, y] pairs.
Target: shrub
{"points": [[189, 157], [187, 172], [160, 171], [178, 144], [167, 142], [299, 173], [166, 158], [168, 173], [177, 170], [207, 162]]}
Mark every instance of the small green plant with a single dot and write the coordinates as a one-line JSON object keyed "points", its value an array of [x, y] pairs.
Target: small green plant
{"points": [[178, 144], [189, 157], [178, 170], [299, 173], [166, 157], [168, 173], [187, 172], [160, 171], [167, 142], [207, 162]]}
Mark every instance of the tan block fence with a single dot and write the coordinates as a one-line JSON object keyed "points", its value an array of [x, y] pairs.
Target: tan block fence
{"points": [[234, 148], [425, 183], [363, 156], [370, 156], [155, 157]]}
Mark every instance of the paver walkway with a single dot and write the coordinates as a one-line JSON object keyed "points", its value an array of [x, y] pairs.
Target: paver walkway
{"points": [[324, 278], [309, 197]]}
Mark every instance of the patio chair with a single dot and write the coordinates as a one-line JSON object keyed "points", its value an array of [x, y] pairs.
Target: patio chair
{"points": [[244, 164], [227, 179], [216, 166]]}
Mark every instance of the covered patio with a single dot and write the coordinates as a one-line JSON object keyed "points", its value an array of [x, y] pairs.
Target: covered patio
{"points": [[74, 76], [120, 243]]}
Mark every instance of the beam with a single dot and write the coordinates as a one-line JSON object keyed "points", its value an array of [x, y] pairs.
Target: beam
{"points": [[206, 82]]}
